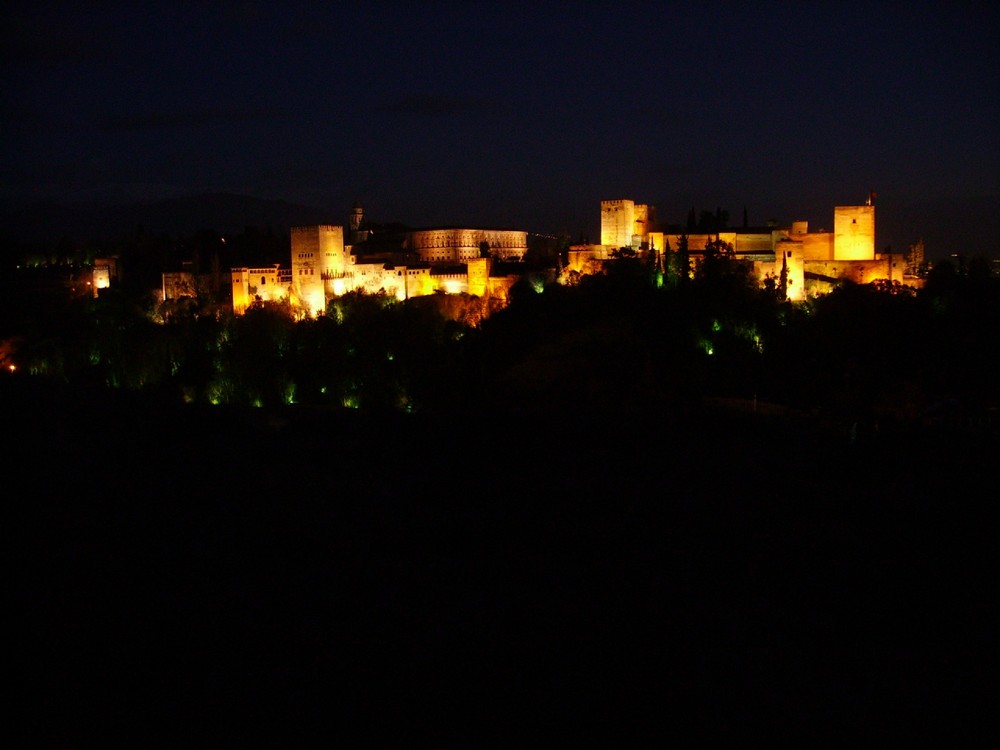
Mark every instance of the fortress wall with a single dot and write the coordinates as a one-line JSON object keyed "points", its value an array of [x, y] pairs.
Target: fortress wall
{"points": [[754, 243], [580, 258], [817, 246], [270, 283], [404, 282], [696, 242], [742, 242], [858, 271], [451, 283]]}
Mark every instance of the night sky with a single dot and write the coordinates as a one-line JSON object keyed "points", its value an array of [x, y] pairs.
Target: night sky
{"points": [[503, 115]]}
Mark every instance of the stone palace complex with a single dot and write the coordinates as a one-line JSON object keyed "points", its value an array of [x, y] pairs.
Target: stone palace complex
{"points": [[331, 260]]}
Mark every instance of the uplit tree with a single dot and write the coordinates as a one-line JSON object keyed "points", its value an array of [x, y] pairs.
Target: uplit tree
{"points": [[680, 260], [253, 361]]}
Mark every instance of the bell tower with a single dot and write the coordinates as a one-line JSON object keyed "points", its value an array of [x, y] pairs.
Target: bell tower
{"points": [[357, 216]]}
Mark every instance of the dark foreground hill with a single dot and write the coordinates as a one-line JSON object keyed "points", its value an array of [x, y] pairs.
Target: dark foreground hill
{"points": [[196, 577]]}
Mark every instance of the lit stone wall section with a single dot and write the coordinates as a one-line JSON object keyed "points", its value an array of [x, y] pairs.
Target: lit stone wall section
{"points": [[644, 219], [461, 245], [617, 223], [854, 233], [788, 254], [270, 284], [317, 253], [479, 275]]}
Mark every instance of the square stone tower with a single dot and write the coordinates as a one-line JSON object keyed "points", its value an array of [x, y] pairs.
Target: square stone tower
{"points": [[318, 254], [617, 223], [854, 233], [625, 223]]}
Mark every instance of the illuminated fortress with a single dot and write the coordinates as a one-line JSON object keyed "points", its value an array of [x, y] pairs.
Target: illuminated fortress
{"points": [[412, 263], [811, 261], [461, 260]]}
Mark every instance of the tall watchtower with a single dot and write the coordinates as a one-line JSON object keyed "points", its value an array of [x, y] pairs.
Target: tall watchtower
{"points": [[625, 223], [854, 232], [318, 254], [617, 223]]}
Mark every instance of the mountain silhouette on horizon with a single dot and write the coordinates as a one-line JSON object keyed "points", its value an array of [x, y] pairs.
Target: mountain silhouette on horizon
{"points": [[225, 213], [967, 225]]}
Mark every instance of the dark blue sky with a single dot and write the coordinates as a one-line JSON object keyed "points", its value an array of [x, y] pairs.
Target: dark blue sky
{"points": [[502, 114]]}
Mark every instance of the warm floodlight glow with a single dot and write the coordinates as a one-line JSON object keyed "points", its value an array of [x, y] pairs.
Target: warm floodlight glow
{"points": [[316, 302]]}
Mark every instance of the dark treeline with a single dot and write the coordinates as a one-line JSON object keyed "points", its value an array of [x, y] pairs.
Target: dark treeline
{"points": [[626, 510], [145, 254], [636, 339]]}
